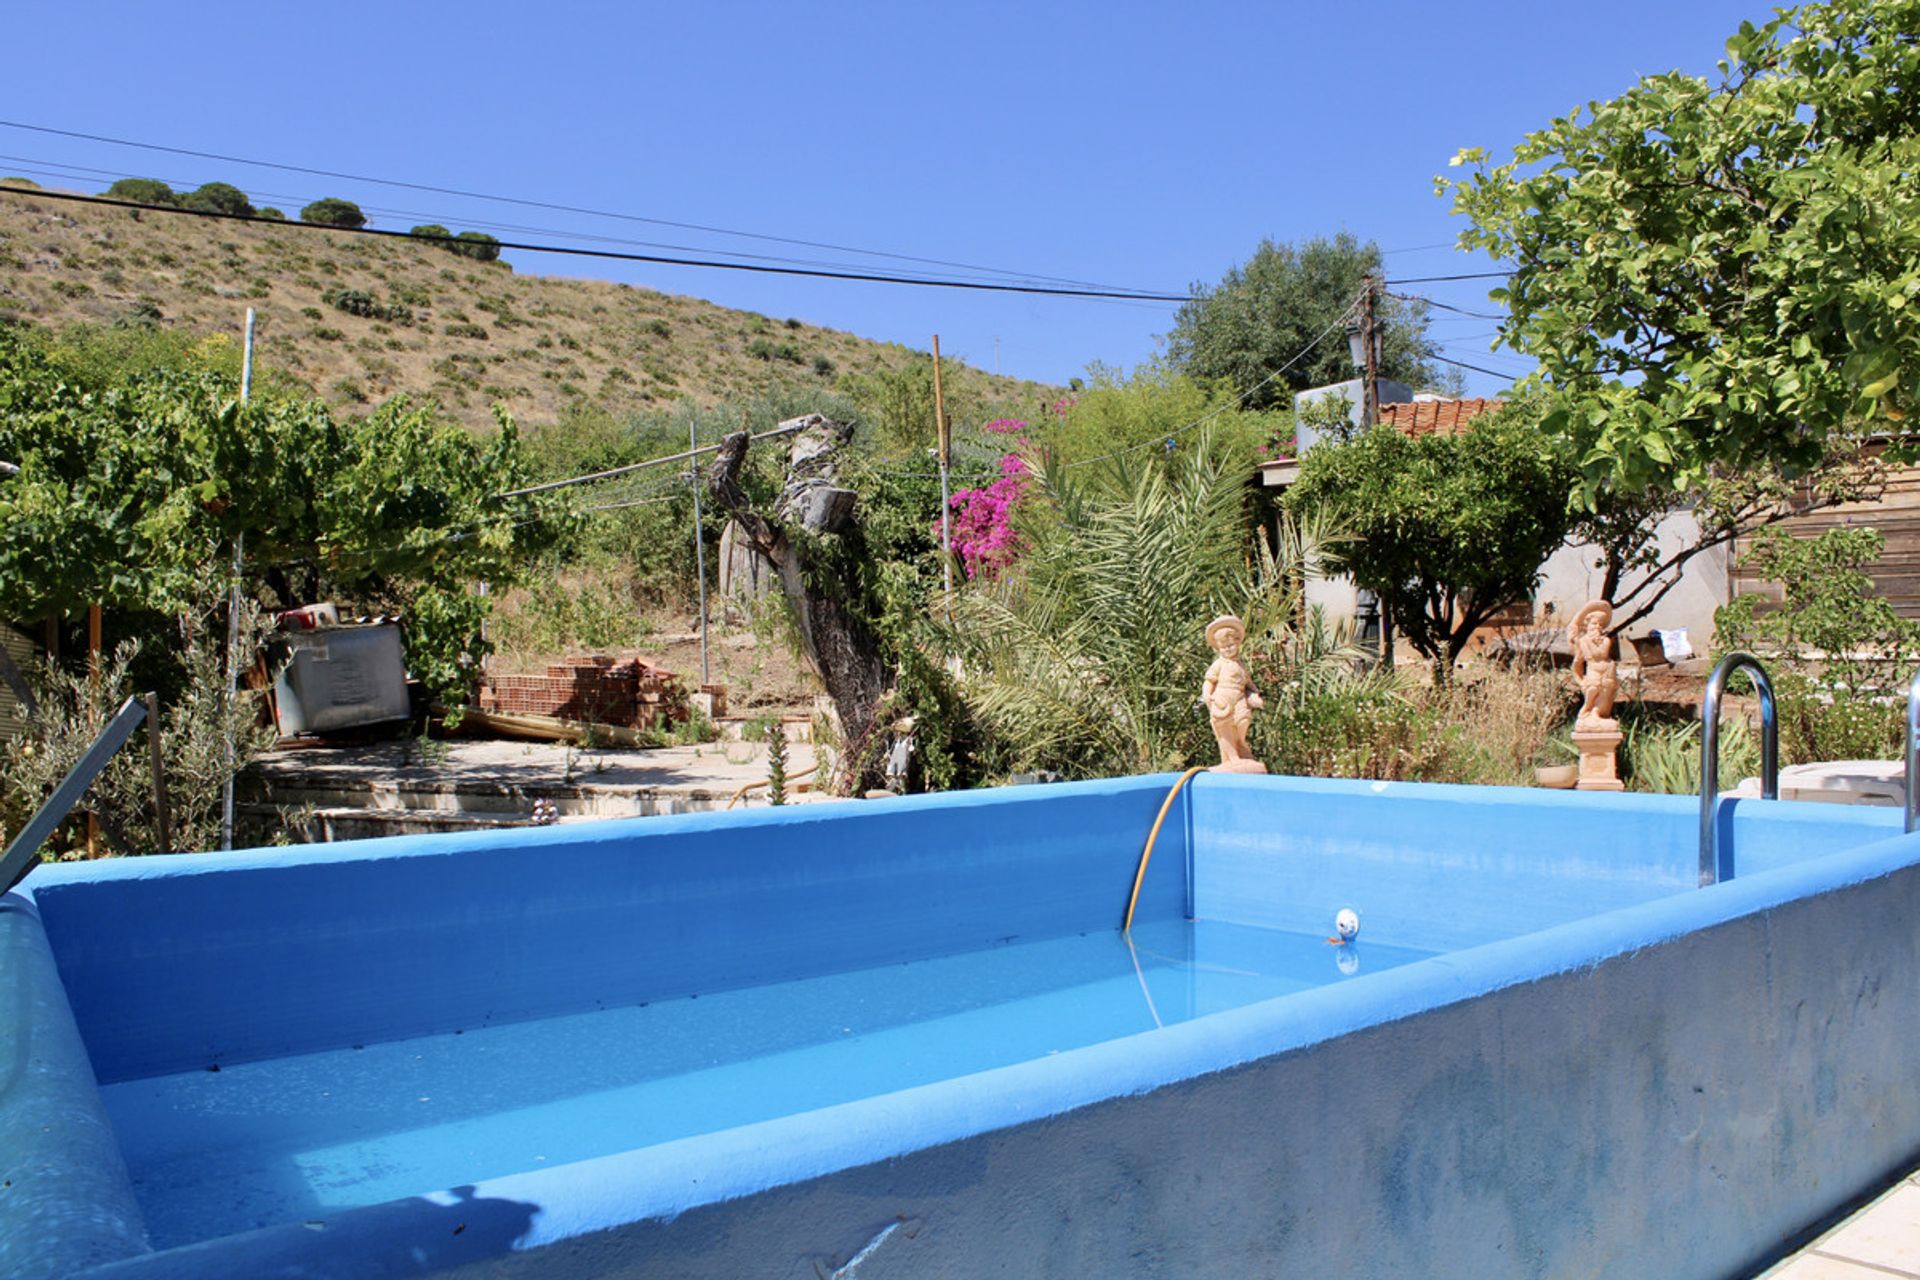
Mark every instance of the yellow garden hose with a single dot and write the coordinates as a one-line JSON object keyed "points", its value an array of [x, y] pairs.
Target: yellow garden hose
{"points": [[1140, 876], [767, 782]]}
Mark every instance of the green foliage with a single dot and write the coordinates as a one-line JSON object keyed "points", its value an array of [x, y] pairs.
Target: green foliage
{"points": [[1664, 758], [218, 197], [272, 214], [1841, 654], [1077, 663], [430, 229], [1151, 414], [762, 349], [895, 406], [477, 245], [1449, 530], [359, 302], [776, 763], [334, 212], [1722, 271], [132, 484], [143, 191], [196, 726], [1245, 331]]}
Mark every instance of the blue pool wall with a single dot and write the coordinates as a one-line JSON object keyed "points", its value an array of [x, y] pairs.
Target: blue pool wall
{"points": [[176, 963], [1671, 1087]]}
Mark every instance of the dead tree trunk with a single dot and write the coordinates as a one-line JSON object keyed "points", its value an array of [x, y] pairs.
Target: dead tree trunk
{"points": [[812, 540]]}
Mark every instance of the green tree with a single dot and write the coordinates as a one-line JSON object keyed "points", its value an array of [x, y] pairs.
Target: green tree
{"points": [[1722, 271], [132, 488], [218, 197], [1448, 530], [1088, 661], [143, 191], [1247, 330], [477, 245], [1152, 412], [1841, 654], [895, 406], [334, 212], [430, 230]]}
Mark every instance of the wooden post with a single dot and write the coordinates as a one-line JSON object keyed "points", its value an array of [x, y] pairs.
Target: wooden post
{"points": [[162, 818], [943, 432]]}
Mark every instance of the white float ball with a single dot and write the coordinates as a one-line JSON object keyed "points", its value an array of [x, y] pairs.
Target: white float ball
{"points": [[1347, 923]]}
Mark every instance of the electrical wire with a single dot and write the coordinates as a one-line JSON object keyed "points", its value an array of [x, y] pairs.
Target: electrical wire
{"points": [[683, 456], [1491, 373], [1448, 306], [543, 204], [1471, 275], [576, 252]]}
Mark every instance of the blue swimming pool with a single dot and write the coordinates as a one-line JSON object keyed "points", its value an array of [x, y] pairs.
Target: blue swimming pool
{"points": [[911, 1033]]}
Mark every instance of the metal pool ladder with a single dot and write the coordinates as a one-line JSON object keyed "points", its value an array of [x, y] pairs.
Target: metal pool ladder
{"points": [[1712, 869], [1913, 752]]}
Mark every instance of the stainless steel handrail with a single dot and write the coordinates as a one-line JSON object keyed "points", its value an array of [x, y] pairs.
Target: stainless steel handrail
{"points": [[1913, 752], [1715, 867], [23, 855]]}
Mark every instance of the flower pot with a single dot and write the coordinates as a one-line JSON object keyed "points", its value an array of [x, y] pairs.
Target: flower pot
{"points": [[1559, 776]]}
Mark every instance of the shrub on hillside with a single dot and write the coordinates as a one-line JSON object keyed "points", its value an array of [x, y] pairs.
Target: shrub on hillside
{"points": [[334, 212], [477, 245], [430, 230], [270, 212], [218, 197], [143, 191]]}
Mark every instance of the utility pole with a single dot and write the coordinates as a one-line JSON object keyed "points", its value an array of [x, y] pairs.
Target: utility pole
{"points": [[1370, 417], [943, 431], [233, 617], [1370, 346], [699, 544]]}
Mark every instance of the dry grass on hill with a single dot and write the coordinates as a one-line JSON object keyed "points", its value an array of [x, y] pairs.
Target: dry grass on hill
{"points": [[359, 318]]}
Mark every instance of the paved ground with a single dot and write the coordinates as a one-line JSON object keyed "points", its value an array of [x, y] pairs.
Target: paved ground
{"points": [[1879, 1241]]}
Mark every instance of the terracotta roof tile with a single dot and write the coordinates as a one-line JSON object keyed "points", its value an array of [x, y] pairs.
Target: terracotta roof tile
{"points": [[1435, 417]]}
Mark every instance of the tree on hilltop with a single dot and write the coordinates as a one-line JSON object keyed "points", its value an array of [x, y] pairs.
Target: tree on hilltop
{"points": [[143, 191], [218, 197], [334, 212], [1244, 330]]}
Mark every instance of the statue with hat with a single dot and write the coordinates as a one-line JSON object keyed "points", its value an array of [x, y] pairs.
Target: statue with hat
{"points": [[1596, 735], [1230, 697]]}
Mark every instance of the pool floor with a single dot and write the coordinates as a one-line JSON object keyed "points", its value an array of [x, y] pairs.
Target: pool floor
{"points": [[244, 1145]]}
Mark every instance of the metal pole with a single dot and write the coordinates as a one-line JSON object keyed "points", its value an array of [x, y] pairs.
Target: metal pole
{"points": [[163, 818], [699, 545], [944, 434], [233, 618], [1913, 752]]}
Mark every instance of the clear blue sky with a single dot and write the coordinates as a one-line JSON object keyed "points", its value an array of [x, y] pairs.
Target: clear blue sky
{"points": [[1146, 146]]}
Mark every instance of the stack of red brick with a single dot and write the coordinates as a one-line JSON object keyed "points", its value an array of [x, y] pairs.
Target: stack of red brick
{"points": [[599, 690]]}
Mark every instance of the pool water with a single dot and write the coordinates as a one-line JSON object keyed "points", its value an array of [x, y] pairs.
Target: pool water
{"points": [[242, 1145]]}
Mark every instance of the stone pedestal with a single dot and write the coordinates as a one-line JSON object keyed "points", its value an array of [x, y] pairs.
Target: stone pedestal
{"points": [[1597, 747], [1239, 766]]}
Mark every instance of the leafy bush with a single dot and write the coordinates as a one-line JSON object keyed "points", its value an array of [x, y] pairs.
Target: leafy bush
{"points": [[427, 229], [143, 191], [272, 213], [359, 302], [823, 366], [477, 245], [334, 212], [763, 349], [218, 197], [1841, 653], [464, 329]]}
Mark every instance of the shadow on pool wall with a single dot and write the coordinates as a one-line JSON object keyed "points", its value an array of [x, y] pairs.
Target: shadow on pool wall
{"points": [[1607, 1071]]}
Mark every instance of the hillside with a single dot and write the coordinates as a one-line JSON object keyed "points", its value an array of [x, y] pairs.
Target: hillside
{"points": [[358, 318]]}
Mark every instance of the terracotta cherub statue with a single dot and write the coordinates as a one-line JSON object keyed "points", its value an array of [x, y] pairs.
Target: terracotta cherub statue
{"points": [[1593, 664], [1230, 697]]}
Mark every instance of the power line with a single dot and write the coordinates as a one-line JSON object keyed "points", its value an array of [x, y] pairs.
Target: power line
{"points": [[1491, 373], [575, 252], [62, 171], [1471, 275], [1447, 306], [541, 204], [683, 456]]}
